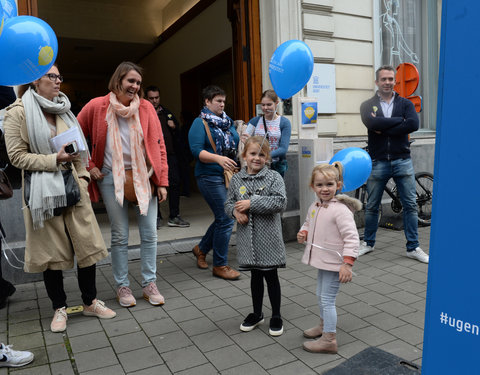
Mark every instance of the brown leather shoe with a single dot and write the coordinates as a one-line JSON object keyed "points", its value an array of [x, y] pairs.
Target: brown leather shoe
{"points": [[225, 272], [201, 262]]}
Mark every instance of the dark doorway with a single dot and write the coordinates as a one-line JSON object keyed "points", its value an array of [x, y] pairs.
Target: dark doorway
{"points": [[215, 71]]}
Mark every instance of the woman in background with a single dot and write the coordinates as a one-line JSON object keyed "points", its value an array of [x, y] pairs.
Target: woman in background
{"points": [[209, 170], [277, 129]]}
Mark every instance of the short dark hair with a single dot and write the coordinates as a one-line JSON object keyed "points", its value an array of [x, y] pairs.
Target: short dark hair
{"points": [[212, 91], [383, 67], [115, 84], [152, 88]]}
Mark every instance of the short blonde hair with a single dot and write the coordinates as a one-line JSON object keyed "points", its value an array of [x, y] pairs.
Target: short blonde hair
{"points": [[115, 84], [262, 142], [334, 171]]}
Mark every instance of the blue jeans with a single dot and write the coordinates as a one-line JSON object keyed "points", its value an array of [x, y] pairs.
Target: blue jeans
{"points": [[147, 226], [218, 233], [327, 290], [404, 176]]}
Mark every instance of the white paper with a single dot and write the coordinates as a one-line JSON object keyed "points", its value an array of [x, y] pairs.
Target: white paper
{"points": [[72, 134]]}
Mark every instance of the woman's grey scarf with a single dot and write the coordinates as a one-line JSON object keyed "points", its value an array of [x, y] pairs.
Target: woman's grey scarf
{"points": [[47, 190]]}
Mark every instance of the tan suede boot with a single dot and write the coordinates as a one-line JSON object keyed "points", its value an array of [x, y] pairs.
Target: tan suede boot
{"points": [[325, 344], [314, 332]]}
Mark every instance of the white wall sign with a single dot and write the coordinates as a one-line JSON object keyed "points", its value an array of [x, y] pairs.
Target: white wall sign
{"points": [[322, 87]]}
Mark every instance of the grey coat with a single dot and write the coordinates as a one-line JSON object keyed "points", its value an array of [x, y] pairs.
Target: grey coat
{"points": [[259, 242]]}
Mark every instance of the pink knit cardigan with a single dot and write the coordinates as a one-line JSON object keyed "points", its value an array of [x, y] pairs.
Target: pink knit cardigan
{"points": [[92, 119]]}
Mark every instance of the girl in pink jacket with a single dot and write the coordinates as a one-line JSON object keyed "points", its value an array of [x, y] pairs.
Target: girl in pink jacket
{"points": [[332, 242]]}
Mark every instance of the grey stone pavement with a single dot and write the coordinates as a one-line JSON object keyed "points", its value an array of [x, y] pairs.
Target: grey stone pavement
{"points": [[197, 330]]}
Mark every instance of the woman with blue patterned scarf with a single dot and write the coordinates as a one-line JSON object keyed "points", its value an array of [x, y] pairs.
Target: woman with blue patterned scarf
{"points": [[209, 169]]}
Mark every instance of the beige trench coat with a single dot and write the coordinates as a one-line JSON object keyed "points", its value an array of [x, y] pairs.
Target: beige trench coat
{"points": [[76, 231]]}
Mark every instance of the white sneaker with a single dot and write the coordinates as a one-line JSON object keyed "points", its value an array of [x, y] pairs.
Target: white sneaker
{"points": [[419, 255], [364, 249], [14, 358]]}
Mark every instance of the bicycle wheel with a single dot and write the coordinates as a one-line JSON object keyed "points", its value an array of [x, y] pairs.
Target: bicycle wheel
{"points": [[395, 204], [359, 216], [424, 186]]}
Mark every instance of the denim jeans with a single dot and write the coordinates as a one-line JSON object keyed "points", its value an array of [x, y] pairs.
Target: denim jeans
{"points": [[147, 226], [327, 290], [218, 233], [404, 176]]}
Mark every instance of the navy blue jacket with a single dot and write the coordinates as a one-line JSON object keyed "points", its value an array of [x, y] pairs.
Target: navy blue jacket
{"points": [[392, 142]]}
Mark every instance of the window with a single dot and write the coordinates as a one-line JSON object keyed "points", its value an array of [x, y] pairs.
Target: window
{"points": [[407, 31]]}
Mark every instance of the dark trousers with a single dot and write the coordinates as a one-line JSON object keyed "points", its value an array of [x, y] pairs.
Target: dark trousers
{"points": [[53, 280], [173, 186], [273, 286], [6, 288]]}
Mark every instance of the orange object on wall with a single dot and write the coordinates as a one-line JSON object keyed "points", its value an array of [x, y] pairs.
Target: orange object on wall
{"points": [[407, 79]]}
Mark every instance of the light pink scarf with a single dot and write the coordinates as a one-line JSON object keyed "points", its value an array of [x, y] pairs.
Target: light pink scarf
{"points": [[137, 149]]}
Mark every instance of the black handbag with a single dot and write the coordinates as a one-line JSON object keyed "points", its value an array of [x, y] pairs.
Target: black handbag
{"points": [[72, 191], [6, 190]]}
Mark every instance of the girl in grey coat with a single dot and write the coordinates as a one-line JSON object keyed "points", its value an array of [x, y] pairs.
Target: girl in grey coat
{"points": [[256, 197]]}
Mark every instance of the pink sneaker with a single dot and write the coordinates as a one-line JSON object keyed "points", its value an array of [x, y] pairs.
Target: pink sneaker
{"points": [[98, 309], [125, 297], [152, 295], [59, 321]]}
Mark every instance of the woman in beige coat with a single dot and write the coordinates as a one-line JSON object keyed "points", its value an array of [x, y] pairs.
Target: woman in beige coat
{"points": [[53, 241]]}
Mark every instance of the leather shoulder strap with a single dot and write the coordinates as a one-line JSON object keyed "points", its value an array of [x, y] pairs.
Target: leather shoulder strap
{"points": [[207, 130]]}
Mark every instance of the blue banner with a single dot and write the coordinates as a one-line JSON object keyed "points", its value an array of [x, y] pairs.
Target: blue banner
{"points": [[452, 320]]}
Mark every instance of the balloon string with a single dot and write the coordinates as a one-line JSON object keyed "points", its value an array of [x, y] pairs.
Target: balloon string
{"points": [[331, 250], [5, 248]]}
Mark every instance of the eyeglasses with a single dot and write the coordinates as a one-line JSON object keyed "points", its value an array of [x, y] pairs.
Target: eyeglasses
{"points": [[53, 77]]}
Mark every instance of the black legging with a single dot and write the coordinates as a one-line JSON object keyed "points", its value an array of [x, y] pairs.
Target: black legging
{"points": [[53, 280], [273, 286]]}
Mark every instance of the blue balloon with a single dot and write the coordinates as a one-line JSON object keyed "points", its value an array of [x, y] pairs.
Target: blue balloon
{"points": [[28, 47], [357, 166], [9, 8], [291, 66]]}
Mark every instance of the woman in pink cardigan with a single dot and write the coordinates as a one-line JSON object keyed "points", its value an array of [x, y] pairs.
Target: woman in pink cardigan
{"points": [[332, 243], [126, 138]]}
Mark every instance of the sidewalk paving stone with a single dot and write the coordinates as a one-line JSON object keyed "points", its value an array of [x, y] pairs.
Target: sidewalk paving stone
{"points": [[120, 327], [57, 353], [88, 342], [182, 359], [212, 340], [249, 368], [372, 336], [170, 341], [271, 356], [253, 339], [296, 367], [159, 327], [94, 360], [110, 370], [206, 369], [63, 368], [139, 359], [227, 357], [384, 321]]}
